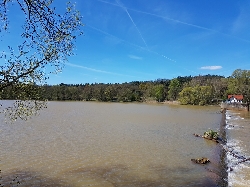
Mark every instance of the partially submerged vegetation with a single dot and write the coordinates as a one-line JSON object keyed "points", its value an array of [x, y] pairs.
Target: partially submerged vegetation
{"points": [[210, 135]]}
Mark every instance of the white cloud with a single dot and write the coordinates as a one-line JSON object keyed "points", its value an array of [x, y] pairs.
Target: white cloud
{"points": [[211, 67], [135, 57]]}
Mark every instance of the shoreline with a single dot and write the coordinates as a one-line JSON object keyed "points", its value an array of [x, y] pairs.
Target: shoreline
{"points": [[149, 101], [223, 152], [143, 102]]}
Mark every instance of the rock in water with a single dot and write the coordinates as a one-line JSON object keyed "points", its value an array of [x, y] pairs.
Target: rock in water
{"points": [[202, 160]]}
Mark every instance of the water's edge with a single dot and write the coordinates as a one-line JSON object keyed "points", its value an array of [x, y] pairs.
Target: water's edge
{"points": [[223, 153]]}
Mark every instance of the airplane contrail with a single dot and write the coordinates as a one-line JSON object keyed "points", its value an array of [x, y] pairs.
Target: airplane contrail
{"points": [[178, 21], [122, 40], [143, 48], [96, 70], [163, 17], [122, 6]]}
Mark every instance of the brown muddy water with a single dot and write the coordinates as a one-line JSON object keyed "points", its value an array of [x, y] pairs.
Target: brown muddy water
{"points": [[111, 144]]}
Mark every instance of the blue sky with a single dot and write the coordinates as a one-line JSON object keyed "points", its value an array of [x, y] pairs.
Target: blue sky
{"points": [[139, 40]]}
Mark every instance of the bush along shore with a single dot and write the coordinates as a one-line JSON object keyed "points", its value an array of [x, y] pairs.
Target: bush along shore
{"points": [[187, 90]]}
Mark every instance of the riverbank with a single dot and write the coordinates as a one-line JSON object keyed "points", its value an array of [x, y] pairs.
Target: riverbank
{"points": [[164, 102], [223, 152], [235, 106]]}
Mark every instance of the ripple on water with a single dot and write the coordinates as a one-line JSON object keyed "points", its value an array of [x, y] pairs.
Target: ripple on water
{"points": [[111, 144]]}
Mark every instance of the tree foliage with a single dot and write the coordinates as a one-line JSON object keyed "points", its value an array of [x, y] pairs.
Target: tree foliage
{"points": [[174, 89], [198, 90], [158, 92], [48, 38], [239, 83], [198, 95]]}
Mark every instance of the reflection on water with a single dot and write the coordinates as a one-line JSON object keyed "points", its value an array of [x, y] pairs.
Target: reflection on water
{"points": [[111, 144]]}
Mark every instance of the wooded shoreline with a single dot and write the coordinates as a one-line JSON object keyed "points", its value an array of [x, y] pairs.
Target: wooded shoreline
{"points": [[197, 90]]}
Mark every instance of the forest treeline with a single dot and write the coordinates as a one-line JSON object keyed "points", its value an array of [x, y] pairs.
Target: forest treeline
{"points": [[197, 90]]}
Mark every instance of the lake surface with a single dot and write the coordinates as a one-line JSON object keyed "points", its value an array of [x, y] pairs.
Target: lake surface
{"points": [[238, 130], [111, 144]]}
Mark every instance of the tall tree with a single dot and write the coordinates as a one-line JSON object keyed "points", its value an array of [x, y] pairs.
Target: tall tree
{"points": [[48, 38], [159, 92], [187, 96], [239, 83], [174, 89], [198, 95]]}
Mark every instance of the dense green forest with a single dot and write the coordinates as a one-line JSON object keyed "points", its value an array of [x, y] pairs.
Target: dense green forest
{"points": [[196, 90]]}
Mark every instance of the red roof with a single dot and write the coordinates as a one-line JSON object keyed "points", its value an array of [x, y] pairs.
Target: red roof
{"points": [[238, 97]]}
